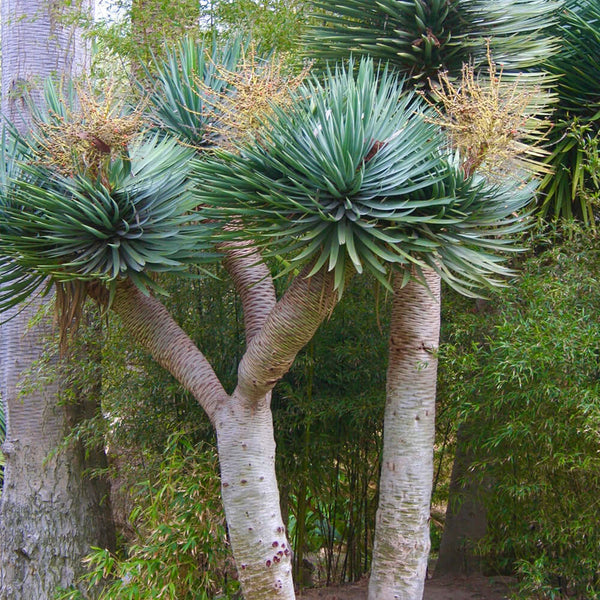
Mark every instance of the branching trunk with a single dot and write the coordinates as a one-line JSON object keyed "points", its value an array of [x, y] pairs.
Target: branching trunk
{"points": [[254, 284], [154, 328], [288, 328], [402, 530], [243, 421]]}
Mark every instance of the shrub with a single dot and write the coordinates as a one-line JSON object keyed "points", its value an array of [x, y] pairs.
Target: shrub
{"points": [[180, 550], [529, 384]]}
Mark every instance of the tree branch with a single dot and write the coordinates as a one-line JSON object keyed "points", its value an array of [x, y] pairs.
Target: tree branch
{"points": [[150, 323], [287, 329], [253, 282]]}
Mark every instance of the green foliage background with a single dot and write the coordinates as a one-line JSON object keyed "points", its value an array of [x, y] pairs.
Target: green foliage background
{"points": [[523, 375]]}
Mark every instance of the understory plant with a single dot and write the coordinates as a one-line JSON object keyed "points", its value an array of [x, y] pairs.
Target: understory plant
{"points": [[179, 549], [328, 430], [524, 374]]}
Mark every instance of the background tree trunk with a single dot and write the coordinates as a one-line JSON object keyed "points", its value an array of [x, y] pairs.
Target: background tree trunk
{"points": [[50, 512], [401, 546], [466, 516], [37, 42]]}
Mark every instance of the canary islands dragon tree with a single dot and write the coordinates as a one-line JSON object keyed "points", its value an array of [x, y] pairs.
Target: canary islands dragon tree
{"points": [[350, 176], [426, 40]]}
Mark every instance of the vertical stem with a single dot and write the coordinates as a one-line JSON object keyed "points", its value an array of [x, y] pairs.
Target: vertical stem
{"points": [[402, 531], [251, 500]]}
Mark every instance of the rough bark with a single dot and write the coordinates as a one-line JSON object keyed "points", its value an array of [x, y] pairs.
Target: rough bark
{"points": [[38, 42], [50, 512], [401, 546]]}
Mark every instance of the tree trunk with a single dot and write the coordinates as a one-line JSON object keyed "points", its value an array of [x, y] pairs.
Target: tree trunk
{"points": [[37, 42], [466, 515], [242, 420], [50, 512], [402, 543], [251, 501]]}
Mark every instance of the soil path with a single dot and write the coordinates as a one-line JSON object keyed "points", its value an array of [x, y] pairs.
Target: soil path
{"points": [[462, 588]]}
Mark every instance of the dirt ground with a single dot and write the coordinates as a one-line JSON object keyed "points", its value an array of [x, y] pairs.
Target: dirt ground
{"points": [[465, 588]]}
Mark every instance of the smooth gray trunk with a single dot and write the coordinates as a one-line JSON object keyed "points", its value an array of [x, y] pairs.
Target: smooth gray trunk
{"points": [[251, 501], [242, 420]]}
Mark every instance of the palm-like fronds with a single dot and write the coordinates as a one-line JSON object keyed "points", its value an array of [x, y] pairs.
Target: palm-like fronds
{"points": [[421, 38], [16, 283], [181, 84], [86, 197], [578, 115], [353, 175]]}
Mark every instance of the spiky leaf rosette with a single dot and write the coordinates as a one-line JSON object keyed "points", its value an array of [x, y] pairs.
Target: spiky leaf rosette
{"points": [[421, 37], [186, 83], [16, 283], [354, 175], [76, 228], [417, 38]]}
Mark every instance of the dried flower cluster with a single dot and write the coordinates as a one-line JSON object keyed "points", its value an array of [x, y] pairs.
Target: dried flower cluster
{"points": [[87, 133], [490, 121], [250, 94]]}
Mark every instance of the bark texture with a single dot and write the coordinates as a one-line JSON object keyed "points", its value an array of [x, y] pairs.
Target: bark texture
{"points": [[50, 512], [401, 547], [154, 328], [37, 42], [289, 326], [251, 500], [253, 283]]}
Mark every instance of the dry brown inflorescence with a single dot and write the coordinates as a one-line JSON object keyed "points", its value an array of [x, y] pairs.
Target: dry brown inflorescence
{"points": [[91, 131], [491, 120], [251, 93]]}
